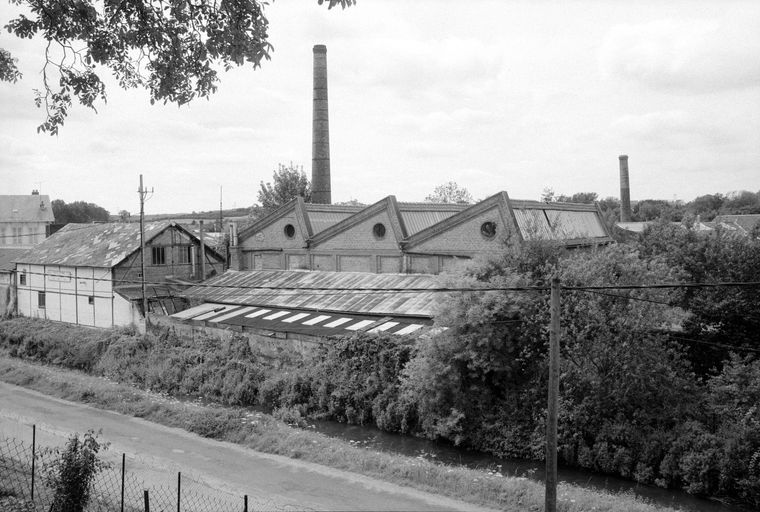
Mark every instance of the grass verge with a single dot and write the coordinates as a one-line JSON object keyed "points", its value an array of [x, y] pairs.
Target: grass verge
{"points": [[264, 433]]}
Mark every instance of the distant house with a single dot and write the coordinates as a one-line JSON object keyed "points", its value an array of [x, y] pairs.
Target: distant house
{"points": [[24, 220], [395, 237], [87, 274]]}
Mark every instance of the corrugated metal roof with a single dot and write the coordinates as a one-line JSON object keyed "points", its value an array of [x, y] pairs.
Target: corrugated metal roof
{"points": [[91, 245], [743, 222], [321, 220], [31, 208], [323, 291], [558, 221], [298, 321], [418, 216], [323, 216]]}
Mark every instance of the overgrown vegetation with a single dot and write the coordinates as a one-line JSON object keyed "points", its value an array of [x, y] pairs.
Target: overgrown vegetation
{"points": [[661, 386], [73, 471]]}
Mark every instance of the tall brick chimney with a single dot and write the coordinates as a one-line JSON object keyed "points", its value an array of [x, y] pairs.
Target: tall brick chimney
{"points": [[320, 135], [625, 190]]}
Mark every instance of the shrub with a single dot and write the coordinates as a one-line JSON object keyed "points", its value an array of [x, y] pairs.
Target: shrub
{"points": [[72, 473]]}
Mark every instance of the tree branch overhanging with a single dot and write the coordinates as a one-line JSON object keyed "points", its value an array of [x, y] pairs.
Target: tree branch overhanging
{"points": [[183, 42]]}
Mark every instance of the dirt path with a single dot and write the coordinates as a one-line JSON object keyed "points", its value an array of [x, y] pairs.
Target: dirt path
{"points": [[156, 453]]}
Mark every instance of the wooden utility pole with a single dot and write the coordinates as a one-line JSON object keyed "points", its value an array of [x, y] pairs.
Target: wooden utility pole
{"points": [[202, 250], [143, 194], [551, 410], [141, 191]]}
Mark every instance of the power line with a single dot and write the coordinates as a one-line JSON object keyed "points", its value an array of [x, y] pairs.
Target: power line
{"points": [[442, 289], [714, 344]]}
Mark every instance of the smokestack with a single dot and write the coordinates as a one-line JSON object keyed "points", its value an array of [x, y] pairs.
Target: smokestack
{"points": [[625, 190], [320, 135]]}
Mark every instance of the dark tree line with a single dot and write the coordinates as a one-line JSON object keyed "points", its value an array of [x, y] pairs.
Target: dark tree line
{"points": [[78, 211]]}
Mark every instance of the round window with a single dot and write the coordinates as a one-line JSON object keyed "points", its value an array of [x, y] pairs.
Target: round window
{"points": [[290, 231], [379, 230], [488, 229]]}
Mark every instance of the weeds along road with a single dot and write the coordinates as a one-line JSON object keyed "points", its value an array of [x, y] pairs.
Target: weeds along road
{"points": [[156, 453]]}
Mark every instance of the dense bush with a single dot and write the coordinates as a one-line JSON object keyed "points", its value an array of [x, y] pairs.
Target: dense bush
{"points": [[355, 379], [225, 371]]}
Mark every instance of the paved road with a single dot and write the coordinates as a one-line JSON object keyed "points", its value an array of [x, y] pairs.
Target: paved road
{"points": [[158, 452]]}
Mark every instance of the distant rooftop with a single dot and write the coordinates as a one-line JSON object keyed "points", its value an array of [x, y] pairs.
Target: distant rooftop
{"points": [[31, 208]]}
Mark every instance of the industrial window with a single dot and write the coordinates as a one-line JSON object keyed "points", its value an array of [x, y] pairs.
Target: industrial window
{"points": [[379, 230], [158, 255], [91, 300], [22, 279], [488, 229], [290, 231], [184, 254], [17, 236], [41, 300]]}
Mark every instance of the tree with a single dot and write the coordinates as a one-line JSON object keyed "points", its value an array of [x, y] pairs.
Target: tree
{"points": [[78, 211], [124, 216], [548, 196], [450, 192], [720, 317], [288, 182], [169, 48]]}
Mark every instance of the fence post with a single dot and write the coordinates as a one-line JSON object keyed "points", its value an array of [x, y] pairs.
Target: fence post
{"points": [[179, 487], [123, 463], [146, 500], [34, 448], [245, 503]]}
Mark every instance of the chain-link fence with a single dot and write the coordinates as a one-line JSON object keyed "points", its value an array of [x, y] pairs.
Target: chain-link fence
{"points": [[26, 473]]}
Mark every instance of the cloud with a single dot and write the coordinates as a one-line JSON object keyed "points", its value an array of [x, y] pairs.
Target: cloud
{"points": [[672, 129], [466, 66], [697, 56]]}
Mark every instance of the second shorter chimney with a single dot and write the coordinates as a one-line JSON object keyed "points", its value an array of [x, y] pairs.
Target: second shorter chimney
{"points": [[625, 191]]}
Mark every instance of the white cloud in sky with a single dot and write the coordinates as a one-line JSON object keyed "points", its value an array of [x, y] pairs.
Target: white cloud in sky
{"points": [[673, 129], [696, 55]]}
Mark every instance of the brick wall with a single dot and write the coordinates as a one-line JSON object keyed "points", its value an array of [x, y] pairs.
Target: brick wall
{"points": [[361, 236], [274, 236], [467, 238], [268, 343]]}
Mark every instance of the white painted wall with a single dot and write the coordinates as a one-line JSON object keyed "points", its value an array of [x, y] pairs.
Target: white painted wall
{"points": [[75, 295]]}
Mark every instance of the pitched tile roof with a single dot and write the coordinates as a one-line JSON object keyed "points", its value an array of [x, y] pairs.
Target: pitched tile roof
{"points": [[94, 245], [31, 208], [8, 258]]}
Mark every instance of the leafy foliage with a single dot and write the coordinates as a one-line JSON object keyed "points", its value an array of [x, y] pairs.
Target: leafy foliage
{"points": [[73, 472], [450, 192], [289, 181], [78, 211], [726, 316], [356, 380], [170, 48], [8, 70]]}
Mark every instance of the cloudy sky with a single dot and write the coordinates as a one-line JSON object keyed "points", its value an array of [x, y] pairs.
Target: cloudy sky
{"points": [[495, 95]]}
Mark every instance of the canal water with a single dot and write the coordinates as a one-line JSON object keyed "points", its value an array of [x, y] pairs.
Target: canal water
{"points": [[372, 438], [376, 439]]}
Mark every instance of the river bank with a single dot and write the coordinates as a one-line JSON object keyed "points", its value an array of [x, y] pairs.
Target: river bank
{"points": [[264, 433]]}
